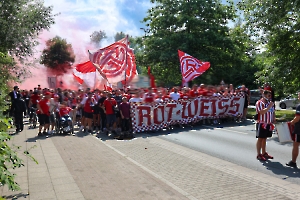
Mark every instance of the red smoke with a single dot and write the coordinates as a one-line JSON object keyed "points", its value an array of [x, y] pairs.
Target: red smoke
{"points": [[65, 80]]}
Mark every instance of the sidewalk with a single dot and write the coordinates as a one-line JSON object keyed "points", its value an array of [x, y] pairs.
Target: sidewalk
{"points": [[87, 167]]}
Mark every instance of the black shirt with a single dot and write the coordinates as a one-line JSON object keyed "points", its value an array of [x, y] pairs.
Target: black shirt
{"points": [[297, 125]]}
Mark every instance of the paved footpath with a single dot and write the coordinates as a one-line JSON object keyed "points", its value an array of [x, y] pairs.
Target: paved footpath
{"points": [[87, 167]]}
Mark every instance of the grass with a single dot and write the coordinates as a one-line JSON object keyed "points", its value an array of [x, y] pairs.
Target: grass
{"points": [[289, 114]]}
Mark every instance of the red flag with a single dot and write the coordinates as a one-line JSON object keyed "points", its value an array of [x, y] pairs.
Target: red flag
{"points": [[191, 67], [87, 73], [152, 78], [116, 61]]}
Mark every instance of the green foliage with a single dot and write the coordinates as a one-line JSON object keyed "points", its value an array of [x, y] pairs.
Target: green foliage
{"points": [[97, 37], [9, 159], [274, 26], [244, 57], [58, 55], [198, 28], [119, 36], [289, 114], [21, 21]]}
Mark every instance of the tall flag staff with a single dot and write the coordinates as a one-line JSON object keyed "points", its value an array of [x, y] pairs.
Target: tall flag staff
{"points": [[127, 40]]}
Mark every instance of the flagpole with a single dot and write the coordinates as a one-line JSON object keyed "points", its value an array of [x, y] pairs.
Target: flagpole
{"points": [[126, 58], [95, 79]]}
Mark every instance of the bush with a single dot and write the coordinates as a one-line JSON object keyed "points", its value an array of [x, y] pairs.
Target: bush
{"points": [[281, 115], [9, 159]]}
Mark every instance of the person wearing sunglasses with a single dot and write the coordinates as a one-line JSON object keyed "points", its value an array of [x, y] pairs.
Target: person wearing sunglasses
{"points": [[265, 124]]}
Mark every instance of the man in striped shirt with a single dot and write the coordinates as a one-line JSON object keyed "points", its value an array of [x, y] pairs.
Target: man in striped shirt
{"points": [[264, 127]]}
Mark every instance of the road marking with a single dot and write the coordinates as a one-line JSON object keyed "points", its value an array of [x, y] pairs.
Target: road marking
{"points": [[226, 130]]}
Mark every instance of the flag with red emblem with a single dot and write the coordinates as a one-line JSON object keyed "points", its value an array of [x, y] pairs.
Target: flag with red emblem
{"points": [[116, 61], [191, 67]]}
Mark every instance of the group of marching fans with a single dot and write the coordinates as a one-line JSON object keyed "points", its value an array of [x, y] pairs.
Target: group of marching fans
{"points": [[105, 111]]}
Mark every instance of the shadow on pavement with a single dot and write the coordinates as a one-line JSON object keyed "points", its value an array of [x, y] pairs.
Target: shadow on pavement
{"points": [[176, 129], [279, 169], [16, 196]]}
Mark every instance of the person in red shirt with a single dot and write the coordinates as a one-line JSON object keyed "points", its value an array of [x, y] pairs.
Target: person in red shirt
{"points": [[185, 94], [109, 104], [194, 92], [64, 110], [210, 91], [149, 97], [165, 95], [88, 104], [44, 113], [202, 91]]}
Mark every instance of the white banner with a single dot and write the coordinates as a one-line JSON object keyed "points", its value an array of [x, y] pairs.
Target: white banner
{"points": [[158, 116]]}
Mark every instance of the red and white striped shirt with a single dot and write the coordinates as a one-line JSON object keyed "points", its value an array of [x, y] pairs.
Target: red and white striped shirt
{"points": [[268, 117]]}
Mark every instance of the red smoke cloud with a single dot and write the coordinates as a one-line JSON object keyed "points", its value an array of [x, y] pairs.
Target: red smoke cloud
{"points": [[40, 73]]}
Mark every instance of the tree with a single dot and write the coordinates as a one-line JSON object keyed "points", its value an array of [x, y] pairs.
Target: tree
{"points": [[119, 36], [274, 25], [97, 37], [21, 21], [198, 28], [58, 55], [244, 56]]}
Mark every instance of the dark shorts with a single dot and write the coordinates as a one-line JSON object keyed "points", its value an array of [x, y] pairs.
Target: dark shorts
{"points": [[52, 118], [296, 137], [118, 114], [43, 119], [111, 119], [96, 110], [263, 133], [88, 115]]}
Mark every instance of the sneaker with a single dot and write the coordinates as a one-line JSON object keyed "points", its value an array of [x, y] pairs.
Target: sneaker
{"points": [[291, 164], [109, 133], [268, 156], [261, 157], [40, 134], [81, 128]]}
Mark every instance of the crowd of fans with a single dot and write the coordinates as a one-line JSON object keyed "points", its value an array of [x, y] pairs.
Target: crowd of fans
{"points": [[105, 111]]}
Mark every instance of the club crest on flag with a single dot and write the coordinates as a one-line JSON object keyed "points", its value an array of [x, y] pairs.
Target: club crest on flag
{"points": [[191, 67], [116, 61]]}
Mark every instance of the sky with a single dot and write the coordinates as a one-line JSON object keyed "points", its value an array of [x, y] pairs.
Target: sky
{"points": [[78, 19]]}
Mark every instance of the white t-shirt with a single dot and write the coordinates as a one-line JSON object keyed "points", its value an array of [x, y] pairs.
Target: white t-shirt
{"points": [[174, 96], [135, 100], [54, 105], [159, 100]]}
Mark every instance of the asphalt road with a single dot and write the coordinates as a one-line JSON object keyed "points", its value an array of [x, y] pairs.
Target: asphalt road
{"points": [[235, 142]]}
